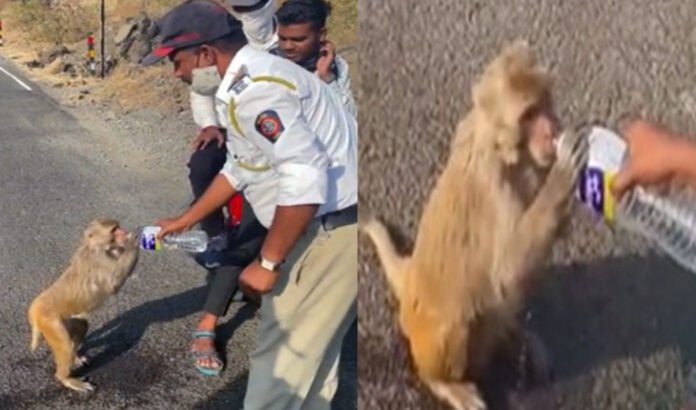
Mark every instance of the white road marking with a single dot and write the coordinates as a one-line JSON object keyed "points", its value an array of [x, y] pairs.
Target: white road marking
{"points": [[12, 76]]}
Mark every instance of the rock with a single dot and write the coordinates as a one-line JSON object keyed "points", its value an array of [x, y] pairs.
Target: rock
{"points": [[53, 53], [55, 66], [35, 64], [125, 32], [140, 43], [152, 31], [69, 69], [138, 50], [144, 24]]}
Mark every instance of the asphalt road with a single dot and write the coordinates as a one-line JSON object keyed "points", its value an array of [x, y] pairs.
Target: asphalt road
{"points": [[55, 176], [618, 320]]}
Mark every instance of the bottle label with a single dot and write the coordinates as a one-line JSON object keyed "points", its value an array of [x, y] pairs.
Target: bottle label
{"points": [[593, 191], [148, 238], [606, 152]]}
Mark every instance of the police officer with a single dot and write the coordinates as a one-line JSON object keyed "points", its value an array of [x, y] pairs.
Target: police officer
{"points": [[293, 152], [296, 31]]}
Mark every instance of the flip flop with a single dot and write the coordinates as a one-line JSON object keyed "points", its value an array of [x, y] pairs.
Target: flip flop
{"points": [[210, 354]]}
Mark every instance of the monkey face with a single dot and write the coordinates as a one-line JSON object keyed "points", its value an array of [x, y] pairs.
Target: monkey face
{"points": [[539, 128], [106, 235], [514, 101], [121, 236]]}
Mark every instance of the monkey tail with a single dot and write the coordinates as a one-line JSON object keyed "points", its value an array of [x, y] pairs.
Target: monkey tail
{"points": [[393, 264], [35, 332]]}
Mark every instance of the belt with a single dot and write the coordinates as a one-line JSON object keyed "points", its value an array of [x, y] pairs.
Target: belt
{"points": [[337, 219]]}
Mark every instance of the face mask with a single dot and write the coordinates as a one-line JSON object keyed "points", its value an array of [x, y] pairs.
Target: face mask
{"points": [[206, 80]]}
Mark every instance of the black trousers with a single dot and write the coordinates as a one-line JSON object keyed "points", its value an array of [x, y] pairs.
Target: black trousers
{"points": [[204, 165], [245, 240]]}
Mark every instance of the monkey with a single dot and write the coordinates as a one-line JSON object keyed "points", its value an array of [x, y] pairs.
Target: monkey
{"points": [[491, 218], [105, 257]]}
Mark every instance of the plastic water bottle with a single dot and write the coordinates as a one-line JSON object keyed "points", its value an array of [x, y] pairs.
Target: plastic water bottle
{"points": [[194, 241], [667, 220]]}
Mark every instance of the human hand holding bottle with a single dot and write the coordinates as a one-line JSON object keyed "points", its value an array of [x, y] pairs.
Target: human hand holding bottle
{"points": [[172, 225], [655, 157]]}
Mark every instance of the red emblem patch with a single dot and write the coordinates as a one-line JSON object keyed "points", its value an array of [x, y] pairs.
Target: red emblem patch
{"points": [[268, 124]]}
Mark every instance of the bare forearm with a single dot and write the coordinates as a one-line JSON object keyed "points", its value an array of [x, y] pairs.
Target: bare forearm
{"points": [[289, 222], [685, 160], [217, 194]]}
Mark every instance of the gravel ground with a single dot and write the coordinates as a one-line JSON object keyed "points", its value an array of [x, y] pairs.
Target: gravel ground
{"points": [[615, 317]]}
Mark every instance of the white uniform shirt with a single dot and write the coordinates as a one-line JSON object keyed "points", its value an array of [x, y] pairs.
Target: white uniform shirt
{"points": [[259, 29], [290, 140]]}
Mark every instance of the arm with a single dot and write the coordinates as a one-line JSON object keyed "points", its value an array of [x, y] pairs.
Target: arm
{"points": [[342, 86], [289, 222], [655, 156], [258, 22], [205, 116], [685, 161], [203, 110], [297, 155], [515, 267], [219, 191], [217, 194]]}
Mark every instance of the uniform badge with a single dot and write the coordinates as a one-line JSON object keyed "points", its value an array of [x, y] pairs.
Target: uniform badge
{"points": [[269, 125], [240, 81]]}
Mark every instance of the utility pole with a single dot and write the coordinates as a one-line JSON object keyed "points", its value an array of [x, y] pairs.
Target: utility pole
{"points": [[103, 30]]}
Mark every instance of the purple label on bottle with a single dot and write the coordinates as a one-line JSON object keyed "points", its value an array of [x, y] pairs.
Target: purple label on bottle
{"points": [[591, 188], [148, 238]]}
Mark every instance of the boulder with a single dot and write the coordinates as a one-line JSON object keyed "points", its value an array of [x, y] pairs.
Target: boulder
{"points": [[124, 33], [138, 43], [35, 64], [49, 55]]}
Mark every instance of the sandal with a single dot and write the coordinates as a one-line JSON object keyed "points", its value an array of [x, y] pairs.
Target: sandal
{"points": [[210, 354]]}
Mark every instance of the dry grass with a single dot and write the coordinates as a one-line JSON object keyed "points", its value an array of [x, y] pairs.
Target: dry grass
{"points": [[343, 23], [154, 87], [32, 28], [63, 23]]}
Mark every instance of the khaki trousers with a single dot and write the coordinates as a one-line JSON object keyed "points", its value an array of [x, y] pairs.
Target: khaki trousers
{"points": [[303, 323]]}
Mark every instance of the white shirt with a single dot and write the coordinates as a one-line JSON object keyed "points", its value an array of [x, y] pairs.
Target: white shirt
{"points": [[259, 29], [290, 140]]}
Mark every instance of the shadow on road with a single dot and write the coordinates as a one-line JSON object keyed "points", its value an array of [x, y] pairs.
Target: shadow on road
{"points": [[125, 331], [232, 395], [590, 316], [122, 333]]}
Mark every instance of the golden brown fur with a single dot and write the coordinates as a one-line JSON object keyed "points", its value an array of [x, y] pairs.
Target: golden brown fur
{"points": [[104, 259], [489, 222]]}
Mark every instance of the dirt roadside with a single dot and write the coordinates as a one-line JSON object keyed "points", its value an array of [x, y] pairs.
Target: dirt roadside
{"points": [[141, 114]]}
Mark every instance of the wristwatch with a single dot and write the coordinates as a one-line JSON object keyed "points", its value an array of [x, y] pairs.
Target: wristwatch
{"points": [[269, 265]]}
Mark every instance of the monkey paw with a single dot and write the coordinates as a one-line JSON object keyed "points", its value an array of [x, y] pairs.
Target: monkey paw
{"points": [[80, 361], [78, 385], [573, 151], [460, 396]]}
